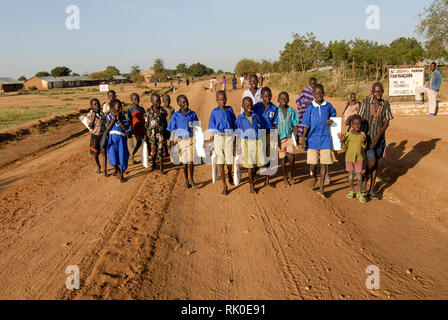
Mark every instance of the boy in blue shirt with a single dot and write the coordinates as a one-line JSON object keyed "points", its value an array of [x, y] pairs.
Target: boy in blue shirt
{"points": [[268, 113], [181, 124], [248, 124], [288, 120], [316, 135], [222, 124]]}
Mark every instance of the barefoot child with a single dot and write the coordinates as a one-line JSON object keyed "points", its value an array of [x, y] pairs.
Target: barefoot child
{"points": [[317, 139], [268, 113], [97, 123], [288, 120], [181, 124], [222, 124], [247, 125], [117, 148], [156, 127], [354, 142], [136, 118]]}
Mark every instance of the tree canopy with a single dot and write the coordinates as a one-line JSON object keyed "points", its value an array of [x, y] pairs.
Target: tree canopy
{"points": [[61, 72], [433, 27], [42, 74]]}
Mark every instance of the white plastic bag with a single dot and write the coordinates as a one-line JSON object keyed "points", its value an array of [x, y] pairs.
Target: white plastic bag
{"points": [[294, 140], [236, 170], [214, 167], [145, 154], [199, 141], [85, 122]]}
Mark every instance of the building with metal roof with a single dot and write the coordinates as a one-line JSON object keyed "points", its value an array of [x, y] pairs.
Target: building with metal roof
{"points": [[9, 84]]}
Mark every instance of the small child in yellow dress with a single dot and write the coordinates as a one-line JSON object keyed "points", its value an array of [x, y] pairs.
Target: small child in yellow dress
{"points": [[354, 142]]}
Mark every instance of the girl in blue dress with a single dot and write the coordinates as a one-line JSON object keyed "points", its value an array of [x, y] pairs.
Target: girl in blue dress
{"points": [[117, 148]]}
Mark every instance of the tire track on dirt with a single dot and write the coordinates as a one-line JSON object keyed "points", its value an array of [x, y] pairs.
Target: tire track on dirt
{"points": [[110, 280], [288, 275]]}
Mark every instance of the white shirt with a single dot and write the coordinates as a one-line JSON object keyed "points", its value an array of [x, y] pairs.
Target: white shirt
{"points": [[242, 79], [255, 99]]}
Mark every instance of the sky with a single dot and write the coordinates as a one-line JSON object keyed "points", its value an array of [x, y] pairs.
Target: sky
{"points": [[217, 33]]}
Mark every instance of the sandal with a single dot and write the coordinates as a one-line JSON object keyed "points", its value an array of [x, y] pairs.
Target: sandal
{"points": [[361, 197], [351, 195]]}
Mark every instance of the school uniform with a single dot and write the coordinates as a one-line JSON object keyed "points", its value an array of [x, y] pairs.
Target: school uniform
{"points": [[136, 118], [319, 142], [285, 127], [97, 131], [222, 125], [117, 147], [247, 129], [269, 118], [182, 126]]}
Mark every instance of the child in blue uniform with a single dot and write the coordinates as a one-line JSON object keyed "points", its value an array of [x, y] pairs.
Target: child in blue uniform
{"points": [[117, 148], [247, 126], [268, 113], [316, 135], [181, 124], [222, 124]]}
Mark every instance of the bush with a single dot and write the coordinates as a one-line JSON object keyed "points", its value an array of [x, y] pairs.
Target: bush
{"points": [[335, 85], [33, 88]]}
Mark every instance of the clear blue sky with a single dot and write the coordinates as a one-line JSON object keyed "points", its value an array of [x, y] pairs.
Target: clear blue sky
{"points": [[217, 33]]}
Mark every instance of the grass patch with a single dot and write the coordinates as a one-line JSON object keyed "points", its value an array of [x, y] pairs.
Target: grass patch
{"points": [[14, 116], [10, 117]]}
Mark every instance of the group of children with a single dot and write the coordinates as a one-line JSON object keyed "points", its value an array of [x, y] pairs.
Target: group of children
{"points": [[111, 129], [233, 135]]}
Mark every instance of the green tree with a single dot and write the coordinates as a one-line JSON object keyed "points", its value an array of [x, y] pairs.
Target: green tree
{"points": [[22, 78], [433, 27], [303, 53], [198, 69], [159, 65], [405, 51], [60, 72], [75, 74], [42, 74], [181, 68], [337, 53], [135, 75], [265, 66], [247, 66], [112, 71]]}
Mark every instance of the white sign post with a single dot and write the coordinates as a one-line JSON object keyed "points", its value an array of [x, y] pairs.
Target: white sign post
{"points": [[404, 81], [104, 87]]}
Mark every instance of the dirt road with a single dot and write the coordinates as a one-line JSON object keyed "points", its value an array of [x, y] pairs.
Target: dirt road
{"points": [[152, 239]]}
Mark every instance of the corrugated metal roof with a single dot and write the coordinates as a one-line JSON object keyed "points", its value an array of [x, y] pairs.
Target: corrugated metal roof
{"points": [[119, 78], [50, 79], [74, 78], [9, 81]]}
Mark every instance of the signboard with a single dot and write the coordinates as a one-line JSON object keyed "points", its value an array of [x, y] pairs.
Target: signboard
{"points": [[403, 81], [104, 87]]}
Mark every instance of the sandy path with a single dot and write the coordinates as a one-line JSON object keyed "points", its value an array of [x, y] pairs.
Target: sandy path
{"points": [[151, 239]]}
